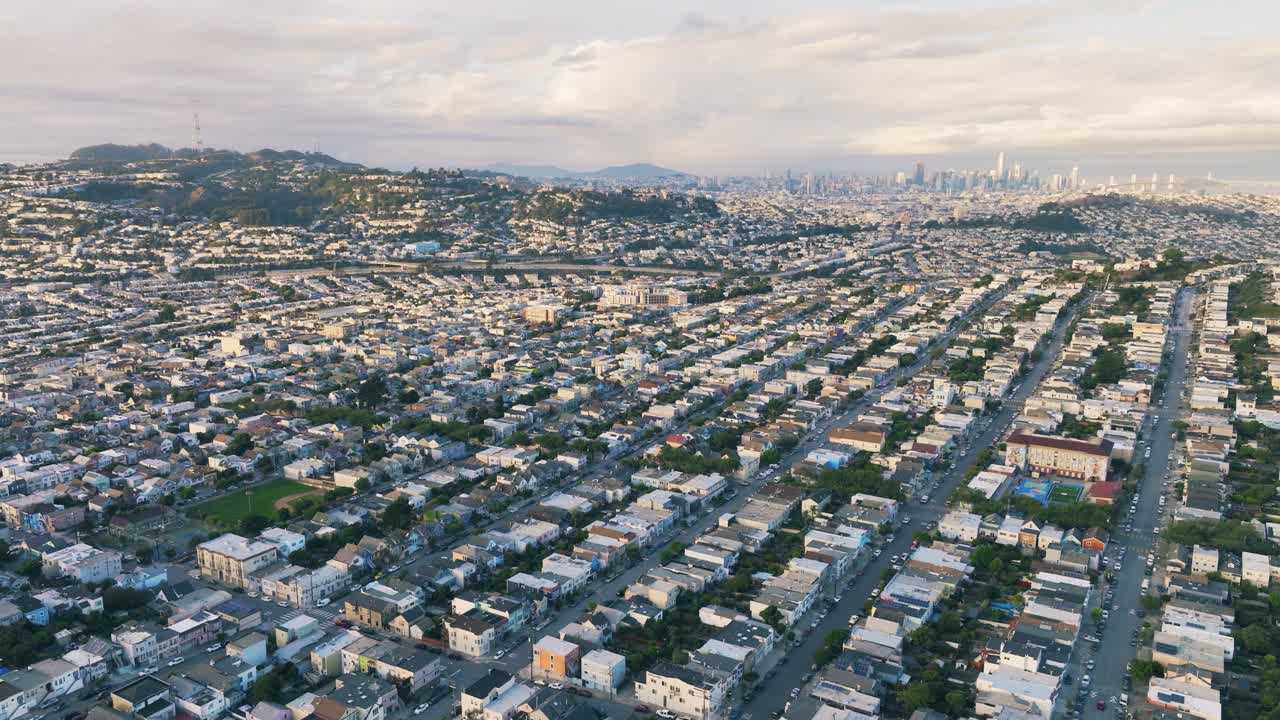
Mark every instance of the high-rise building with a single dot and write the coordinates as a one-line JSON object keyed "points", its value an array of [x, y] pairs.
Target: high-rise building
{"points": [[1075, 177], [1000, 167], [919, 178]]}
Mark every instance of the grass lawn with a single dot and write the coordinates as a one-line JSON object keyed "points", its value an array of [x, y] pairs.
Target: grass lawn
{"points": [[230, 510]]}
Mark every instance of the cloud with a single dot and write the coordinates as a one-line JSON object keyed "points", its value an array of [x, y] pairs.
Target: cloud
{"points": [[714, 90]]}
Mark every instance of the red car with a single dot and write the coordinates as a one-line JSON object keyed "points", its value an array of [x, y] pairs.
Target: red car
{"points": [[1101, 705]]}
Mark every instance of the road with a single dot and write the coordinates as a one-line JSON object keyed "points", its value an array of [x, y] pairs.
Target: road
{"points": [[518, 652], [796, 664], [1113, 655]]}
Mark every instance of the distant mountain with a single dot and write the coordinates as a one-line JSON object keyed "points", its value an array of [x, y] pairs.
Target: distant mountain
{"points": [[315, 158], [636, 170], [613, 172], [531, 171], [112, 153]]}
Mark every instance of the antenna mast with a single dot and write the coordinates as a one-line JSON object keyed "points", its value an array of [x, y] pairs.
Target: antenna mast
{"points": [[197, 141]]}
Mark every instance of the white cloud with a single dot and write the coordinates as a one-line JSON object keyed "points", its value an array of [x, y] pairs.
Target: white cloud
{"points": [[714, 91]]}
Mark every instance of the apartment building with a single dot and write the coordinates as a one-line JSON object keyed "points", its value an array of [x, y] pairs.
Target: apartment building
{"points": [[231, 559]]}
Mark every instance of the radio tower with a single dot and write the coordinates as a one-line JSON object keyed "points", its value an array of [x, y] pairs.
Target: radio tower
{"points": [[197, 142]]}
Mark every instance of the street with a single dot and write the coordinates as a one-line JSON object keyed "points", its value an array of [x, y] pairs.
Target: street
{"points": [[1113, 654]]}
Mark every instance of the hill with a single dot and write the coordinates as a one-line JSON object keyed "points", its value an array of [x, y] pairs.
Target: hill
{"points": [[113, 153], [636, 170], [613, 172]]}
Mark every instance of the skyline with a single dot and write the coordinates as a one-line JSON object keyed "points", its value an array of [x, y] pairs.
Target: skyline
{"points": [[731, 89]]}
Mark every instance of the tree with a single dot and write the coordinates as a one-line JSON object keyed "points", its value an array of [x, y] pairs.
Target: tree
{"points": [[398, 515], [371, 391], [268, 688], [251, 525], [146, 554], [1144, 670], [30, 569], [772, 616], [4, 551], [1096, 614], [1255, 638], [362, 484], [915, 696], [240, 442], [957, 700]]}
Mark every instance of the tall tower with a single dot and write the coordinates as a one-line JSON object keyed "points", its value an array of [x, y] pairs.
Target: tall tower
{"points": [[1075, 176], [1000, 166], [197, 141], [919, 177]]}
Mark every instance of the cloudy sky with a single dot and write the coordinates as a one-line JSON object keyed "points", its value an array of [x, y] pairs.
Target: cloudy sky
{"points": [[713, 87]]}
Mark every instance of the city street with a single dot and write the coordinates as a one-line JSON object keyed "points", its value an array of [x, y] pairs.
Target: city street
{"points": [[1113, 655]]}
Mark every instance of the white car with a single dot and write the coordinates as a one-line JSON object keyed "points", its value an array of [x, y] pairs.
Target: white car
{"points": [[557, 686], [498, 655], [213, 648], [323, 602], [176, 662], [420, 709], [665, 713]]}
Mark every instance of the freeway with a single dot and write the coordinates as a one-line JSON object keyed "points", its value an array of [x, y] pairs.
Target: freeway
{"points": [[792, 669], [517, 655], [1113, 655]]}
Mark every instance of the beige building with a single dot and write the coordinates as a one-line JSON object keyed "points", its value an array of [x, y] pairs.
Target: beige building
{"points": [[231, 559], [1065, 457]]}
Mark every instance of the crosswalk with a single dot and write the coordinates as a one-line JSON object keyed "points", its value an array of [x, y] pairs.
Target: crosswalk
{"points": [[325, 614]]}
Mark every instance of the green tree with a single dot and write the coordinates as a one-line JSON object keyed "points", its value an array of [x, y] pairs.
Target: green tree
{"points": [[251, 525], [371, 391], [1143, 670], [915, 695], [957, 700], [1255, 638], [398, 515], [772, 616]]}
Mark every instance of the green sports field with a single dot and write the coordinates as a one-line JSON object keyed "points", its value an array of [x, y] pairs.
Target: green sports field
{"points": [[259, 500], [1064, 494]]}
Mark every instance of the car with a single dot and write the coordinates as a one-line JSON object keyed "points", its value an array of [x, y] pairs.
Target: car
{"points": [[253, 593], [556, 686], [498, 655], [283, 603], [176, 662], [213, 648], [1101, 704], [665, 713], [1084, 681], [323, 602], [640, 708], [806, 677], [795, 693]]}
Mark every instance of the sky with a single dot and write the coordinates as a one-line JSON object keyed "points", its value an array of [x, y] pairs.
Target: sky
{"points": [[715, 87]]}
